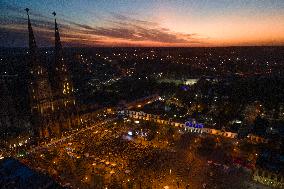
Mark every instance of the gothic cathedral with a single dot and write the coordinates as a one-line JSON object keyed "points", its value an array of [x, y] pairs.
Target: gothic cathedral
{"points": [[52, 100]]}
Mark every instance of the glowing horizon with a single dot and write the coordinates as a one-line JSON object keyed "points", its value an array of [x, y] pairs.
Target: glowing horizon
{"points": [[157, 23]]}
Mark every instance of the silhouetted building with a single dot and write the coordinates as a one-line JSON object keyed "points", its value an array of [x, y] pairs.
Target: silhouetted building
{"points": [[39, 90], [62, 88], [52, 99]]}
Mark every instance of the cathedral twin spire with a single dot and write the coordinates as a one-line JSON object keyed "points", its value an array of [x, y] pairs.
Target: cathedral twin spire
{"points": [[60, 80], [32, 42], [51, 92], [58, 46]]}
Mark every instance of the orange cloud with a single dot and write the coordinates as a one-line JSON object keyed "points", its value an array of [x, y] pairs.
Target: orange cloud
{"points": [[120, 30]]}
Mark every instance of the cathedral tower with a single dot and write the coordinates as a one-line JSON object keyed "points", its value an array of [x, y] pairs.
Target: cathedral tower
{"points": [[39, 89], [62, 86]]}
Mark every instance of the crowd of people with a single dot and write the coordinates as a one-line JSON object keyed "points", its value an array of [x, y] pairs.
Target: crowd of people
{"points": [[112, 156]]}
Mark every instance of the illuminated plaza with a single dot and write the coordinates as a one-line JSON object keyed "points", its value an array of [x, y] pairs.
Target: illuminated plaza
{"points": [[120, 154]]}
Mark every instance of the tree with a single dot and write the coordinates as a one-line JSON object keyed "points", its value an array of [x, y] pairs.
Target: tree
{"points": [[206, 146], [115, 184], [170, 134], [260, 126]]}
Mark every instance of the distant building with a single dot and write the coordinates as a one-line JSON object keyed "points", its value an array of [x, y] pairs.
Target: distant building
{"points": [[281, 111], [191, 81], [268, 178]]}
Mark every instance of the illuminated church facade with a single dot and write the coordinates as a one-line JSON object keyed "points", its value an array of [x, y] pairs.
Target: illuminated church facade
{"points": [[51, 92]]}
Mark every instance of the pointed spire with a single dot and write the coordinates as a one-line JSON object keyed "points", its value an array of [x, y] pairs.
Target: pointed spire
{"points": [[32, 42], [58, 45]]}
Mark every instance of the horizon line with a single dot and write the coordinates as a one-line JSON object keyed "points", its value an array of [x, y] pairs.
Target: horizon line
{"points": [[229, 46]]}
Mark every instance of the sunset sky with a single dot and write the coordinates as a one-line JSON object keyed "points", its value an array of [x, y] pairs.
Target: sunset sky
{"points": [[145, 22]]}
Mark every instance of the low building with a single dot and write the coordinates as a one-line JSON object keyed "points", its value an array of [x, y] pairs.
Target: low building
{"points": [[268, 178]]}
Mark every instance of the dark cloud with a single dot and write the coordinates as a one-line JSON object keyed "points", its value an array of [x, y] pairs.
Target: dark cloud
{"points": [[118, 27], [8, 8], [19, 38], [123, 18], [74, 24], [135, 30]]}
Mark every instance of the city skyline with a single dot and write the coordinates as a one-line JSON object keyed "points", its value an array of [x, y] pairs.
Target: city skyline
{"points": [[150, 23], [135, 117]]}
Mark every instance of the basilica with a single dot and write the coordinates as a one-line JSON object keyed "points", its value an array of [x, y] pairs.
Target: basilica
{"points": [[51, 92]]}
